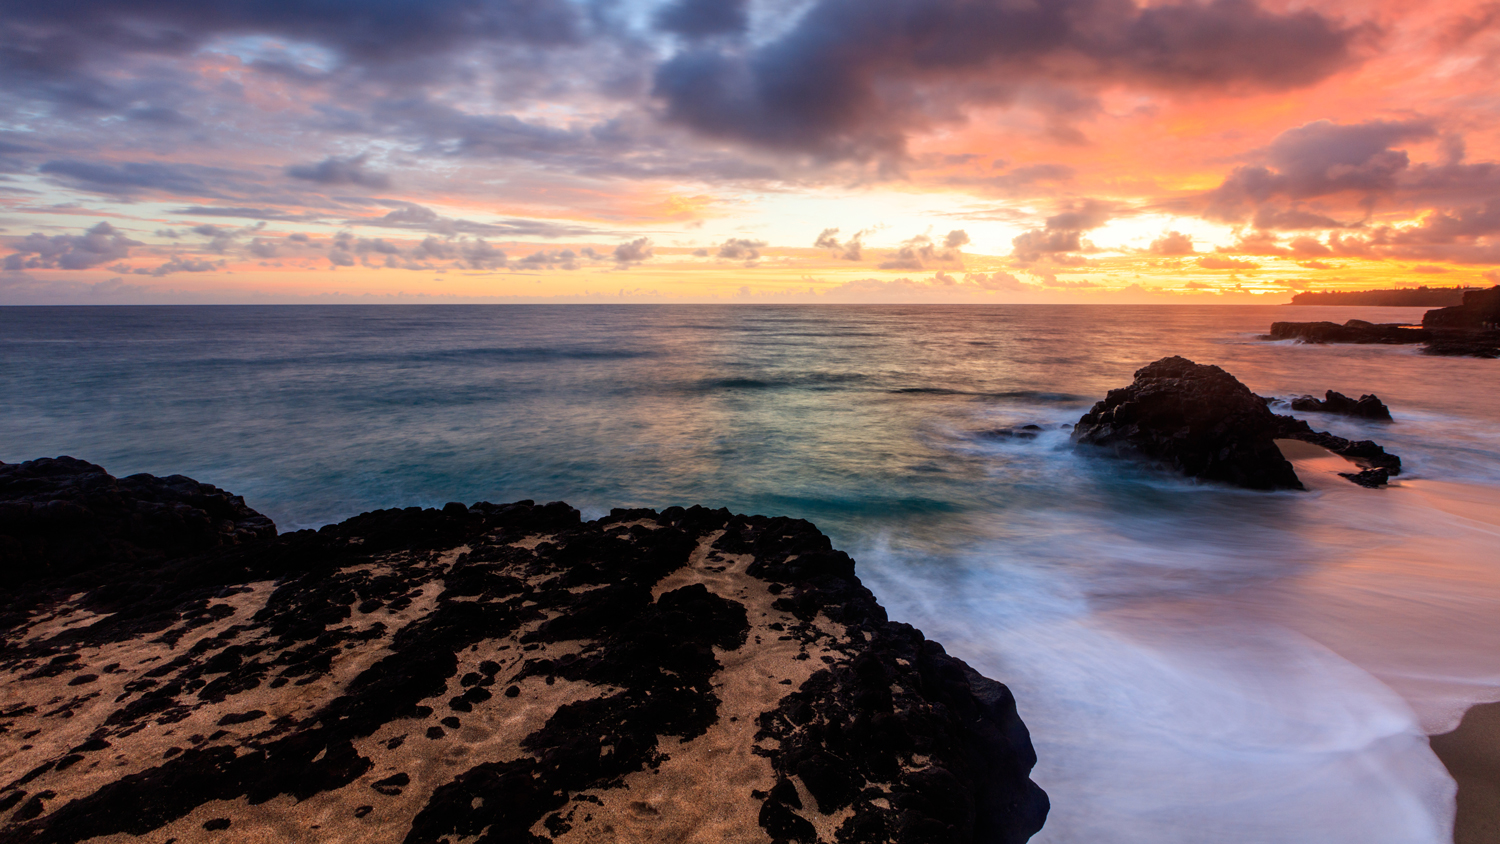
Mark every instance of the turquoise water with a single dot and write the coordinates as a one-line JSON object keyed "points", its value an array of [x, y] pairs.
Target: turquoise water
{"points": [[1188, 656]]}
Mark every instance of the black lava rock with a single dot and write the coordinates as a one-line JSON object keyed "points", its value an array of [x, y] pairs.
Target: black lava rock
{"points": [[1197, 419], [1368, 406], [1203, 422], [1353, 331], [1480, 310], [61, 515], [317, 654]]}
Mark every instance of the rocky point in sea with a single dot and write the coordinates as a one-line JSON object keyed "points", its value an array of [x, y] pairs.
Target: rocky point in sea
{"points": [[1368, 406], [1201, 421], [500, 673], [1471, 329]]}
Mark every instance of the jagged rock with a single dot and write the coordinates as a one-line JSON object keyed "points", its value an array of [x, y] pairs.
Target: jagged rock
{"points": [[1370, 478], [663, 674], [1353, 331], [62, 516], [1368, 406], [1201, 421], [1197, 419]]}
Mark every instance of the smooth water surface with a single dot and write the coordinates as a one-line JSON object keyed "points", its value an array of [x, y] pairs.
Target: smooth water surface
{"points": [[1196, 663]]}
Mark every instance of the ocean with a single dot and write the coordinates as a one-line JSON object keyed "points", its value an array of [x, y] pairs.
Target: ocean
{"points": [[1196, 663]]}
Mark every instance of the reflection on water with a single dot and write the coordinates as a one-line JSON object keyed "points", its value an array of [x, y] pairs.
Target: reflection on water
{"points": [[1196, 663]]}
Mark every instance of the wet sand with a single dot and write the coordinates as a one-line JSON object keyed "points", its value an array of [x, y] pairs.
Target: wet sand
{"points": [[1471, 751], [1472, 755]]}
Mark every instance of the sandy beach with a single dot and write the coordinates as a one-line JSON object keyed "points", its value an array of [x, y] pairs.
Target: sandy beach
{"points": [[1472, 755], [1471, 751]]}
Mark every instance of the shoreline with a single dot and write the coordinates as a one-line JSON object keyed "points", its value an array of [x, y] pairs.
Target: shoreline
{"points": [[1471, 753]]}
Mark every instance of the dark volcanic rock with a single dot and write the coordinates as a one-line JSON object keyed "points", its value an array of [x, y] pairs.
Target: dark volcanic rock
{"points": [[503, 674], [1371, 478], [1468, 330], [1353, 331], [1472, 344], [60, 516], [1480, 310], [1203, 422], [1366, 453], [1195, 418], [1368, 406]]}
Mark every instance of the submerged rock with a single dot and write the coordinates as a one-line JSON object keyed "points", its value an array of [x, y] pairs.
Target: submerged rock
{"points": [[1368, 406], [1201, 421], [502, 674]]}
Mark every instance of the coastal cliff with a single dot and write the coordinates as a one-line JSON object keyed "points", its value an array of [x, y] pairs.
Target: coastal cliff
{"points": [[502, 673]]}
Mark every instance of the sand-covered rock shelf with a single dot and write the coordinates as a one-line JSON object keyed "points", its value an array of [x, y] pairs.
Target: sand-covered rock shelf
{"points": [[502, 673]]}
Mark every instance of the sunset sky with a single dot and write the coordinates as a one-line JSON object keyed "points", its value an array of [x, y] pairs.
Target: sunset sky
{"points": [[164, 151]]}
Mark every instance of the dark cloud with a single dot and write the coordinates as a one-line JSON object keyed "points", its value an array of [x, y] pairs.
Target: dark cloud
{"points": [[632, 252], [565, 259], [850, 250], [340, 171], [1172, 243], [244, 212], [180, 265], [852, 77], [1270, 217], [409, 215], [702, 18], [65, 34], [159, 115], [1320, 159], [741, 249], [130, 177], [920, 251], [1063, 233], [99, 245]]}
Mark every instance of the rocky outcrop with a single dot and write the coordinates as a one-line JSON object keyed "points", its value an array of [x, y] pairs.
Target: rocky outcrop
{"points": [[1480, 310], [61, 516], [1368, 406], [1197, 419], [1469, 344], [501, 674], [1201, 421], [1471, 329], [1353, 331]]}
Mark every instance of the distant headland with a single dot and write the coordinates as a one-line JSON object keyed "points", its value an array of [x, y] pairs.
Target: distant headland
{"points": [[1404, 297]]}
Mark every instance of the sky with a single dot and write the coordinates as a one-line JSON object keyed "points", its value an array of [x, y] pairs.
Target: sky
{"points": [[988, 151]]}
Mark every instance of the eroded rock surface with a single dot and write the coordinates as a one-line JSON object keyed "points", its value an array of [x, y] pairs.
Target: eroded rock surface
{"points": [[1201, 421], [499, 674]]}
